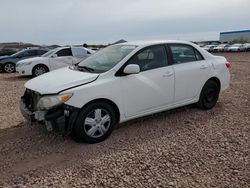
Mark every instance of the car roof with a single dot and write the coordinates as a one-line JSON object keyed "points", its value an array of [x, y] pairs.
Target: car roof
{"points": [[153, 42]]}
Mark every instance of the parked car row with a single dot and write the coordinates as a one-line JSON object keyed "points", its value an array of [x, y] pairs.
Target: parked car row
{"points": [[38, 61], [8, 63], [228, 48]]}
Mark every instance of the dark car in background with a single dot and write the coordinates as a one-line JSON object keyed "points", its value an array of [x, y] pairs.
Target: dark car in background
{"points": [[8, 63]]}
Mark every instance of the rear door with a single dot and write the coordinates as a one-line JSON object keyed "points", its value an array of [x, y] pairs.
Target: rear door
{"points": [[64, 58], [191, 71]]}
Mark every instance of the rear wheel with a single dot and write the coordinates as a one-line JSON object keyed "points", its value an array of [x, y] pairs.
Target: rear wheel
{"points": [[95, 123], [39, 70], [9, 67], [209, 95]]}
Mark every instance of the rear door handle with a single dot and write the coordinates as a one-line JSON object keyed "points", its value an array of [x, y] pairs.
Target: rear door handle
{"points": [[204, 66], [168, 74]]}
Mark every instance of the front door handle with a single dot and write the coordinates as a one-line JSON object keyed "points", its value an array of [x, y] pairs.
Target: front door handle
{"points": [[168, 74]]}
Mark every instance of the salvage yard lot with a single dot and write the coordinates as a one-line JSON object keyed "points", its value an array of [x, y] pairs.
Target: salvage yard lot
{"points": [[186, 147]]}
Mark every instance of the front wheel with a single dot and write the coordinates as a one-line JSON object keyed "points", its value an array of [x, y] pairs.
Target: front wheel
{"points": [[95, 123], [209, 95], [39, 70], [9, 67]]}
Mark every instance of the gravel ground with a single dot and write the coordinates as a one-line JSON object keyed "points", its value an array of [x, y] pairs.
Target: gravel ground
{"points": [[185, 147]]}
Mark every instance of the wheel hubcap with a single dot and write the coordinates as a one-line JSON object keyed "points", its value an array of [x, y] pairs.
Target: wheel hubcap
{"points": [[39, 71], [97, 123], [9, 68], [211, 95]]}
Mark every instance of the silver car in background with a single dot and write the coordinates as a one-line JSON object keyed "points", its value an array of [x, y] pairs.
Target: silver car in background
{"points": [[236, 48], [221, 48]]}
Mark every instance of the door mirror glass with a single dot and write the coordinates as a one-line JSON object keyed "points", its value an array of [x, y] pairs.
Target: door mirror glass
{"points": [[132, 69]]}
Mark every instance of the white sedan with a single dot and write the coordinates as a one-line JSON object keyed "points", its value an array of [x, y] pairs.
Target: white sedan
{"points": [[235, 48], [54, 59], [123, 82]]}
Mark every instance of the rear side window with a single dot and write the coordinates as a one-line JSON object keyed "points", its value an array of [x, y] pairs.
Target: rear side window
{"points": [[26, 53], [184, 53], [198, 55], [32, 53], [64, 52]]}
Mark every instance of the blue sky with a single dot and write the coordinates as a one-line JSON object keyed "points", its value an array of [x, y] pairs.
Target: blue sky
{"points": [[105, 21]]}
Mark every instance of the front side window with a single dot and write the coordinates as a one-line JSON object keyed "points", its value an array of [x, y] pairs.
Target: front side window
{"points": [[40, 52], [184, 53], [198, 55], [106, 58], [33, 53], [64, 52], [150, 58]]}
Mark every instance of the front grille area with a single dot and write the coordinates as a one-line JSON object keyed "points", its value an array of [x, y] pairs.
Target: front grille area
{"points": [[31, 99]]}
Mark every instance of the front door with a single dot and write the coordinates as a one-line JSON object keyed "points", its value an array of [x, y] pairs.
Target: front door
{"points": [[153, 87]]}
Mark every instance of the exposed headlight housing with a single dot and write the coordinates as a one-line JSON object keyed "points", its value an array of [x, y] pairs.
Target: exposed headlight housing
{"points": [[48, 102]]}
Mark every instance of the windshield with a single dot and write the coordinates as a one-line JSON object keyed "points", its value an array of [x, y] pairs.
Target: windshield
{"points": [[18, 53], [105, 59], [47, 54]]}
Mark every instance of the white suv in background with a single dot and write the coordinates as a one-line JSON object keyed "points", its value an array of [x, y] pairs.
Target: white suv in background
{"points": [[54, 59], [123, 82]]}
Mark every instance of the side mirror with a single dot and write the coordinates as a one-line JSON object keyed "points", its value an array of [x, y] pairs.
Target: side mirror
{"points": [[131, 69], [54, 55]]}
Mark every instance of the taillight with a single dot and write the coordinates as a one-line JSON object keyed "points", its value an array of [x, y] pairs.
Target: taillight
{"points": [[228, 65]]}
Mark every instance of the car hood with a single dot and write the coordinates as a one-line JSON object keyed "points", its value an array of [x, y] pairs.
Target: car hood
{"points": [[58, 80], [3, 57]]}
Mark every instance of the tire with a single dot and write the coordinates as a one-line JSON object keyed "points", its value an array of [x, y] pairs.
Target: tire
{"points": [[39, 70], [94, 123], [9, 67], [209, 95]]}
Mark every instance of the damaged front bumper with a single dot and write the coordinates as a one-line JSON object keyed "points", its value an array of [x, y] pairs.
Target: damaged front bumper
{"points": [[59, 119]]}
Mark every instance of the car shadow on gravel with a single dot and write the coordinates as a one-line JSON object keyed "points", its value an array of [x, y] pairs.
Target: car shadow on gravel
{"points": [[14, 78], [30, 142], [139, 130]]}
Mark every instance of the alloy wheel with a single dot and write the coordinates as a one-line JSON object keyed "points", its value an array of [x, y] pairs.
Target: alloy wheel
{"points": [[39, 71], [97, 123], [9, 67]]}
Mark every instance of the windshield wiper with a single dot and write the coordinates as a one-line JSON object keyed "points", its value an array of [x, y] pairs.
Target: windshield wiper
{"points": [[85, 68]]}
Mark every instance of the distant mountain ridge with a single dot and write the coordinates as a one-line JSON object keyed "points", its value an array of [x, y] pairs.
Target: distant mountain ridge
{"points": [[8, 48]]}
